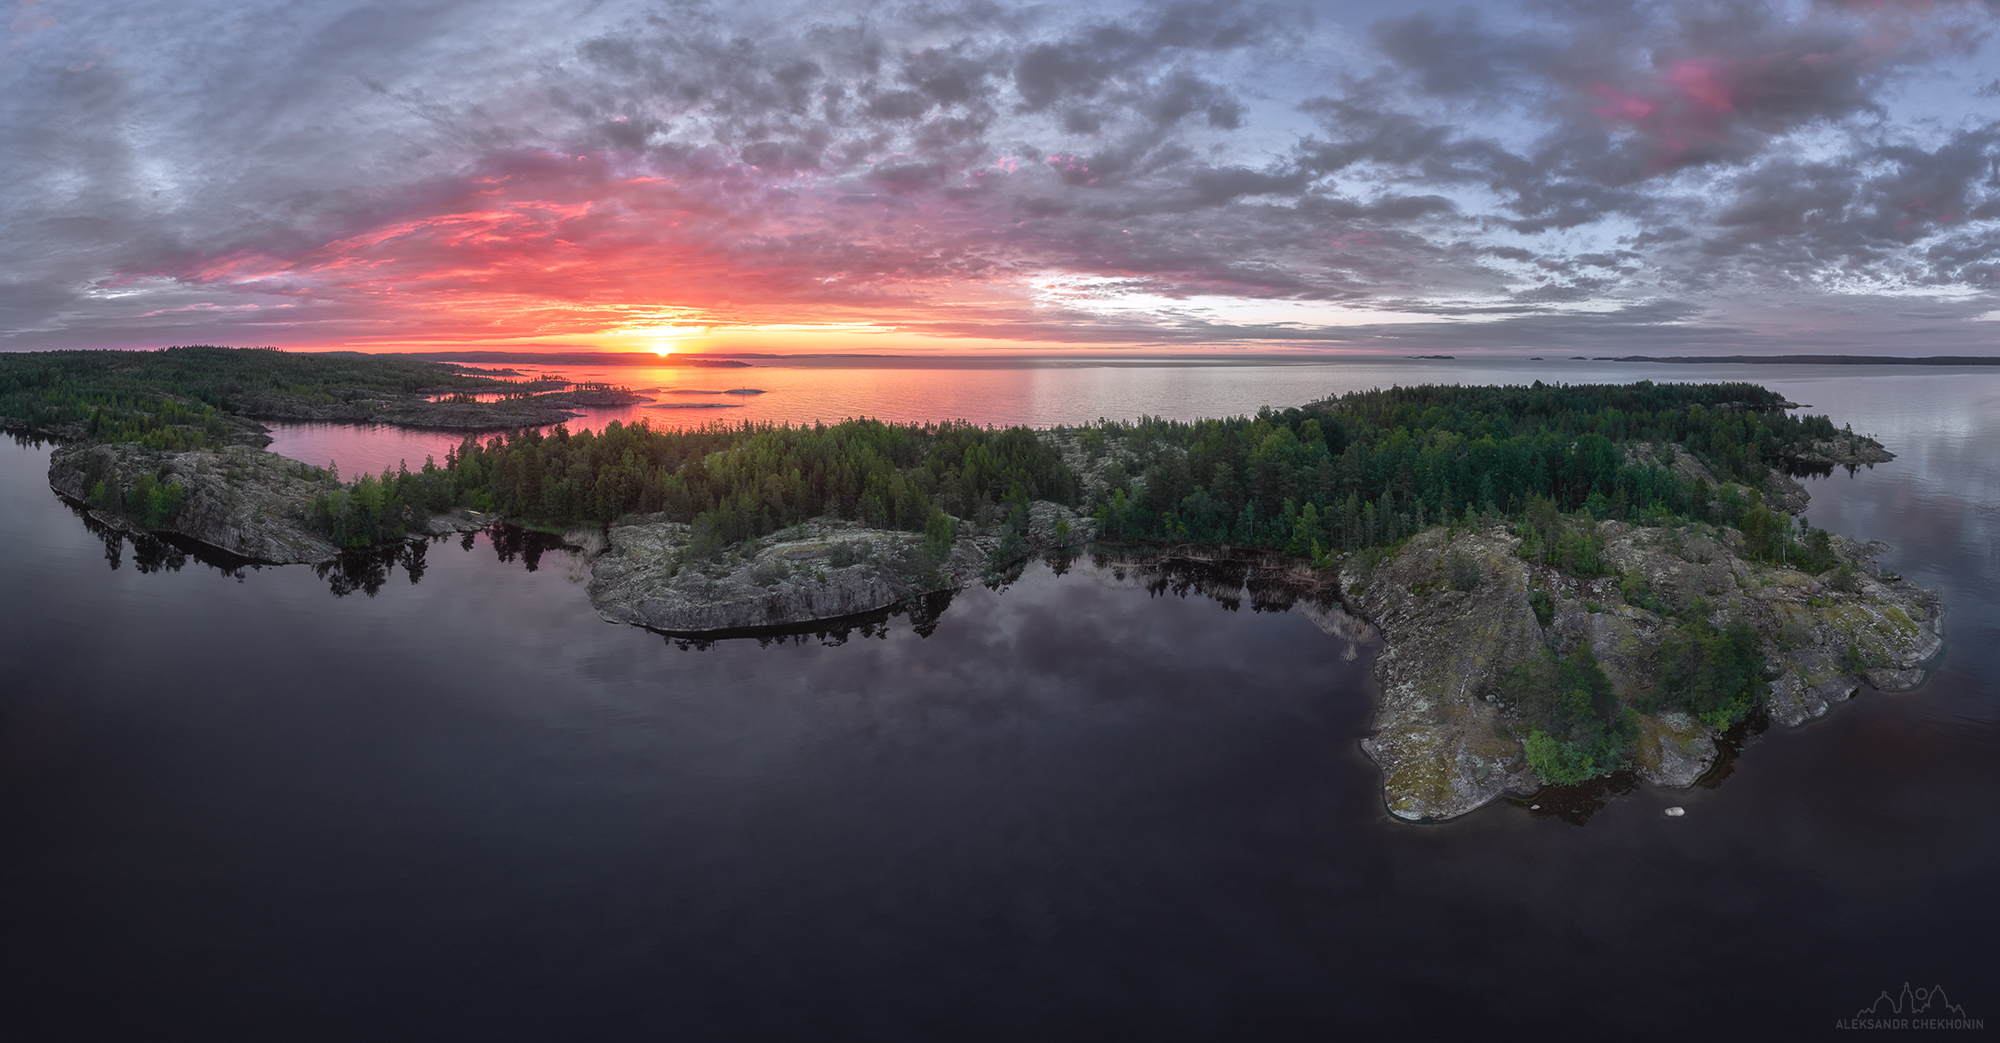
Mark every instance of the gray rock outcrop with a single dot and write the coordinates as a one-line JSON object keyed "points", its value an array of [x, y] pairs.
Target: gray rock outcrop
{"points": [[653, 575], [1445, 747], [249, 502]]}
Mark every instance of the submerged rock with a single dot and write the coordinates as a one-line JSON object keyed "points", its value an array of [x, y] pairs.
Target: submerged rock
{"points": [[1446, 747]]}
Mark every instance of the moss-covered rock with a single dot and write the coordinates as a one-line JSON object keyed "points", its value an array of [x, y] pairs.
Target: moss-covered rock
{"points": [[1446, 746], [249, 502], [1444, 749], [652, 575]]}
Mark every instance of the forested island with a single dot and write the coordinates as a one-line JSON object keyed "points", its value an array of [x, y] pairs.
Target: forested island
{"points": [[208, 397], [1568, 580]]}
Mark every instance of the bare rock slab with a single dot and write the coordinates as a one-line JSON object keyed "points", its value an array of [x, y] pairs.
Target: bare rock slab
{"points": [[252, 503], [651, 575], [1445, 748]]}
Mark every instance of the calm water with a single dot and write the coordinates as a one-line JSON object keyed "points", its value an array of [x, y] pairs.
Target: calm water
{"points": [[1040, 394], [465, 808]]}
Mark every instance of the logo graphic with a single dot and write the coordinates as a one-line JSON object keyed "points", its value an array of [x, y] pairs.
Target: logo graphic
{"points": [[1912, 1009]]}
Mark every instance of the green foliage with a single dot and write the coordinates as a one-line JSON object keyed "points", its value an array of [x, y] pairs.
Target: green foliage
{"points": [[1366, 469], [1092, 442], [162, 501], [731, 483], [1463, 571], [1639, 594], [1576, 728], [1816, 556], [1560, 763], [940, 532], [190, 397], [1544, 606], [1853, 660], [1769, 536], [143, 498], [382, 508], [1376, 466], [1570, 543], [1714, 674]]}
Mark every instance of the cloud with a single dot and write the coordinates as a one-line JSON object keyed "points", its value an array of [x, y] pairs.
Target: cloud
{"points": [[346, 173]]}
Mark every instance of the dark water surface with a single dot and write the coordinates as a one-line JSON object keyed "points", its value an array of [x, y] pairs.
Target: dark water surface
{"points": [[234, 805]]}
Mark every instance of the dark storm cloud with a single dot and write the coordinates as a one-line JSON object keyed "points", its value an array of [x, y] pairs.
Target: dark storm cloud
{"points": [[263, 170]]}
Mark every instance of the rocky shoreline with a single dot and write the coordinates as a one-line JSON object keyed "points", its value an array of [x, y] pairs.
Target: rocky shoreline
{"points": [[645, 571], [1447, 746], [652, 573], [250, 502]]}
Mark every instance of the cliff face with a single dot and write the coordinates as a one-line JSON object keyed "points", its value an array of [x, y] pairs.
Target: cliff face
{"points": [[817, 570], [246, 501], [1445, 747]]}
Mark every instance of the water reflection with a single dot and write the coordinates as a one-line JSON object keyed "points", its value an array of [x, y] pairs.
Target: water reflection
{"points": [[511, 543], [356, 570], [1272, 582], [369, 569], [925, 612], [1077, 806], [158, 552]]}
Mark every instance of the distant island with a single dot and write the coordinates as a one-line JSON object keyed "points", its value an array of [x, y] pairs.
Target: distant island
{"points": [[1819, 360], [1568, 580], [573, 358], [200, 395]]}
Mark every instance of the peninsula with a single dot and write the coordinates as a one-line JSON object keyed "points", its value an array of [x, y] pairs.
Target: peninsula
{"points": [[206, 396], [1567, 580]]}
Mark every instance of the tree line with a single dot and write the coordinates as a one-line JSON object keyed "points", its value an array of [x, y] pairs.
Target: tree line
{"points": [[1366, 469], [730, 482], [1370, 468], [196, 396]]}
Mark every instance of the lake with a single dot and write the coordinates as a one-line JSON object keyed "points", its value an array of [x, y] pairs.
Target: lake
{"points": [[451, 803]]}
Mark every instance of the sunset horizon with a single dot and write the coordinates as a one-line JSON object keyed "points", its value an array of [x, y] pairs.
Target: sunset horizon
{"points": [[1817, 177], [999, 520]]}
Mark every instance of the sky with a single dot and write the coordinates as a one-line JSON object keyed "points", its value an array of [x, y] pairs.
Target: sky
{"points": [[1026, 178]]}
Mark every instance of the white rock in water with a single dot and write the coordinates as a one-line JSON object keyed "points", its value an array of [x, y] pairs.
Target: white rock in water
{"points": [[1676, 812]]}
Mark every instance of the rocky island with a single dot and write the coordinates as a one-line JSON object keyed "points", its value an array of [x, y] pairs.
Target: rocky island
{"points": [[1449, 735], [1567, 581], [650, 572], [245, 501]]}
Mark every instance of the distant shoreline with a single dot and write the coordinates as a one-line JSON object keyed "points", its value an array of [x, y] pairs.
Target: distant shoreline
{"points": [[744, 360], [566, 358], [1819, 360], [734, 360]]}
